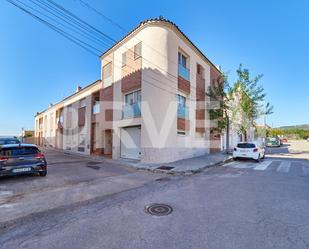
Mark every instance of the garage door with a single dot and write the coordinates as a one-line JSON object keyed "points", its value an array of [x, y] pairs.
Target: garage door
{"points": [[131, 142]]}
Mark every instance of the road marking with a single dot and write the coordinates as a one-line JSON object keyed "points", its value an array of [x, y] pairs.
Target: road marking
{"points": [[284, 167], [263, 165], [306, 169]]}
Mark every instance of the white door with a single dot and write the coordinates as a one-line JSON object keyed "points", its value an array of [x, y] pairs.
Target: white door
{"points": [[131, 142]]}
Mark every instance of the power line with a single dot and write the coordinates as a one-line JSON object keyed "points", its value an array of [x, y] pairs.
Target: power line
{"points": [[61, 32], [88, 25], [84, 45], [82, 21], [93, 39], [87, 5]]}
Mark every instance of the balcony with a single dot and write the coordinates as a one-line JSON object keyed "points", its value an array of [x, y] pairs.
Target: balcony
{"points": [[183, 72], [131, 111], [96, 108], [182, 112]]}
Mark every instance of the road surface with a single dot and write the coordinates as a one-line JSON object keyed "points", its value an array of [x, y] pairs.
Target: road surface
{"points": [[242, 204]]}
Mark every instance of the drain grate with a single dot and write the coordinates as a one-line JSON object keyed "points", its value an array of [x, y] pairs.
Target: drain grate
{"points": [[93, 163], [163, 167], [93, 167], [158, 209]]}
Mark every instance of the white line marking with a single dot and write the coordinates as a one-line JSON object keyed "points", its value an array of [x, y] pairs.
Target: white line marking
{"points": [[284, 167], [263, 165], [306, 169], [230, 164]]}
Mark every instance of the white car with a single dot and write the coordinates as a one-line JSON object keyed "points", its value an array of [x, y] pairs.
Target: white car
{"points": [[249, 150]]}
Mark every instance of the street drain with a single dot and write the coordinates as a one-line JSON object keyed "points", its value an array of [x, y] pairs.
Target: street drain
{"points": [[93, 163], [93, 167], [158, 209], [165, 167]]}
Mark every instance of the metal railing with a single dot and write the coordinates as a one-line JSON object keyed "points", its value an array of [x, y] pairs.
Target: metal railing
{"points": [[183, 72], [182, 112], [131, 111]]}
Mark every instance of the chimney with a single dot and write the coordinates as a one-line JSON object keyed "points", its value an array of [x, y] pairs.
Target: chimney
{"points": [[78, 89]]}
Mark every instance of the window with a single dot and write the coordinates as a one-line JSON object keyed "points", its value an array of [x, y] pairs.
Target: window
{"points": [[182, 60], [19, 151], [183, 69], [51, 121], [107, 70], [182, 110], [124, 59], [133, 98], [107, 74], [82, 139], [69, 117], [137, 51], [199, 69], [181, 100], [132, 105], [82, 103]]}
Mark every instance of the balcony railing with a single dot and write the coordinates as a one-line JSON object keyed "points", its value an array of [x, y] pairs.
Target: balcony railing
{"points": [[182, 112], [183, 72], [131, 111], [96, 108]]}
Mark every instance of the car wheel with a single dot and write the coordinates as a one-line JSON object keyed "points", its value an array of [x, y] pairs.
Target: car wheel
{"points": [[259, 159], [44, 173]]}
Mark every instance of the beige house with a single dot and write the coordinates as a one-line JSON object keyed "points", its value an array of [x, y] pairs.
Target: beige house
{"points": [[149, 105]]}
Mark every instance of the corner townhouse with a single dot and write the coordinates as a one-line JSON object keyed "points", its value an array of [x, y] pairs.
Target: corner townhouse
{"points": [[149, 105]]}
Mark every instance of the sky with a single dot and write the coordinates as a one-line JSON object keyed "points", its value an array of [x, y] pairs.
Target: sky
{"points": [[39, 67]]}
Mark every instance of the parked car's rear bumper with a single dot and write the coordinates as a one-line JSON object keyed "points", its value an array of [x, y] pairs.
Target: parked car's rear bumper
{"points": [[9, 171], [254, 156]]}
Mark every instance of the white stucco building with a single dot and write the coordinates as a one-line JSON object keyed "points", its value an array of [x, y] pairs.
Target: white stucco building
{"points": [[149, 105]]}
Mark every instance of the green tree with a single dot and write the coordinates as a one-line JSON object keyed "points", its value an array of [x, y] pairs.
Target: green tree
{"points": [[219, 92], [251, 97]]}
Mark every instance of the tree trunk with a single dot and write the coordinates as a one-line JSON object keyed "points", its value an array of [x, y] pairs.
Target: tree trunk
{"points": [[245, 136], [227, 135]]}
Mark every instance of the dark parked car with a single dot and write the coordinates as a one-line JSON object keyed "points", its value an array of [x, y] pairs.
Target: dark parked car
{"points": [[19, 159], [8, 140]]}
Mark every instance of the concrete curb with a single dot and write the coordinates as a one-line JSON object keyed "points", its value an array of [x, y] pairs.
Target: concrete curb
{"points": [[187, 172]]}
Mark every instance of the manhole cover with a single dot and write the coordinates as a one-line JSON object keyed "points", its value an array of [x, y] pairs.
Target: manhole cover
{"points": [[165, 167], [159, 209]]}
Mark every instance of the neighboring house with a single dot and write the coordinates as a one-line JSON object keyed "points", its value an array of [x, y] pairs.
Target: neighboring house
{"points": [[239, 124], [149, 105], [27, 136]]}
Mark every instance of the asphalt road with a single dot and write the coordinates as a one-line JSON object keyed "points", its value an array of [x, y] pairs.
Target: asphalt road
{"points": [[242, 204]]}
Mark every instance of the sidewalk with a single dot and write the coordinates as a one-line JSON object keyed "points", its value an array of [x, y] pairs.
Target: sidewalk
{"points": [[186, 166]]}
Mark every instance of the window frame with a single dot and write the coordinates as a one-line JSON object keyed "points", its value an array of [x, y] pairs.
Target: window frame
{"points": [[139, 54], [124, 59], [136, 97], [182, 58]]}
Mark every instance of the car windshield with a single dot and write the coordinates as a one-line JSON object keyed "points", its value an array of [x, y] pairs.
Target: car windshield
{"points": [[19, 151], [246, 145]]}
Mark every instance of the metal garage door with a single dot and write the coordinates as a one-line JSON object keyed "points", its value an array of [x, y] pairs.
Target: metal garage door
{"points": [[131, 142]]}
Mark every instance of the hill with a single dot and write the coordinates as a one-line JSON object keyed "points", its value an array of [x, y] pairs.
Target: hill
{"points": [[301, 127]]}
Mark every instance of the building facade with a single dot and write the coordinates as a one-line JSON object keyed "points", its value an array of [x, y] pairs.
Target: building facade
{"points": [[150, 103]]}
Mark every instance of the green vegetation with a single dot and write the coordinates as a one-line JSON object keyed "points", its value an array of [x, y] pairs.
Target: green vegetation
{"points": [[290, 133], [240, 103]]}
